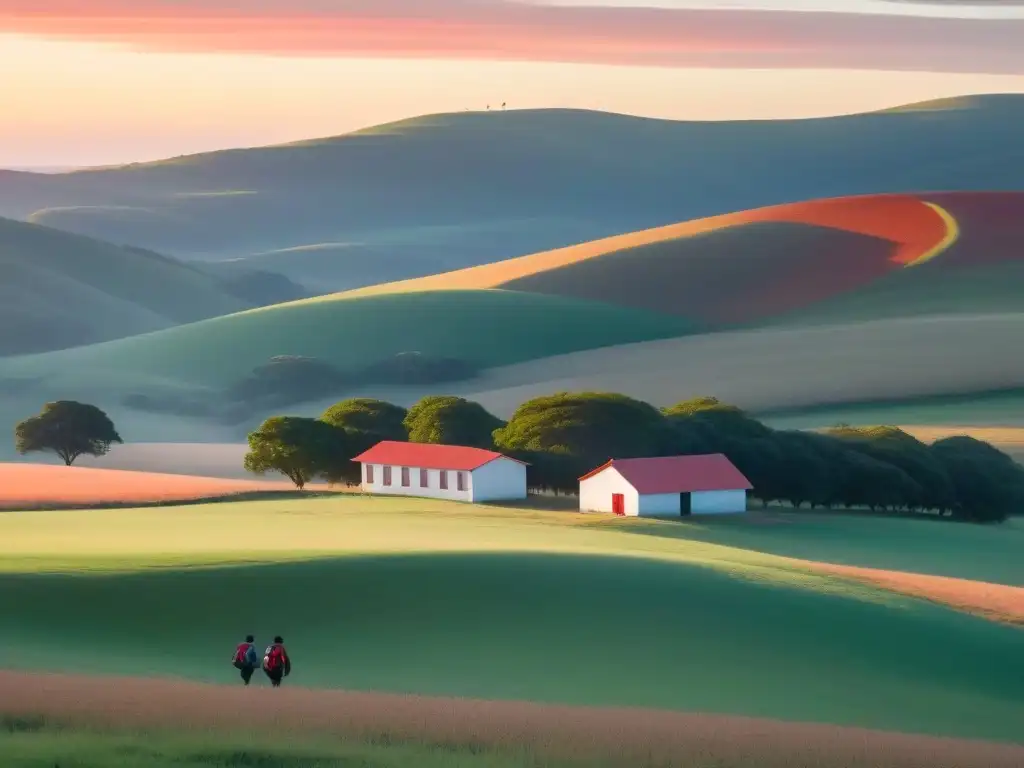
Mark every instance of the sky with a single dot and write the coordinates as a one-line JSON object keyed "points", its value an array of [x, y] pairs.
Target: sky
{"points": [[86, 82]]}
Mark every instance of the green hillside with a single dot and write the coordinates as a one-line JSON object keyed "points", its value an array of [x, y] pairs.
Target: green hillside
{"points": [[545, 178], [486, 327], [60, 289], [428, 597]]}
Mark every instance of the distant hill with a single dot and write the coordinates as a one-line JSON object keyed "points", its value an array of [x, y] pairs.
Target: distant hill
{"points": [[477, 187], [61, 290], [486, 328], [836, 260]]}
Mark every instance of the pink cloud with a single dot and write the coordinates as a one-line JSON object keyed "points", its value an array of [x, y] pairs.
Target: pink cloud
{"points": [[507, 30]]}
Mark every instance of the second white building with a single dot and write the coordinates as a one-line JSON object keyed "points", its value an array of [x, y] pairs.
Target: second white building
{"points": [[452, 472], [666, 486]]}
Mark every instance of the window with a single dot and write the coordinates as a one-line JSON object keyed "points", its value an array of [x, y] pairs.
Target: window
{"points": [[369, 473], [444, 480], [460, 480], [387, 475], [405, 477], [424, 478]]}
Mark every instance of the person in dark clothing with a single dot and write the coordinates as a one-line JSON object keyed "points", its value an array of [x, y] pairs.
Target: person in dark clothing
{"points": [[276, 663], [245, 659]]}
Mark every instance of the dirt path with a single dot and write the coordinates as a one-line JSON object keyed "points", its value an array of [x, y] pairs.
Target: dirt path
{"points": [[997, 602], [632, 736]]}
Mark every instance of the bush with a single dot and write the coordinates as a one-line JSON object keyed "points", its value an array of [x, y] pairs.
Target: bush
{"points": [[288, 379], [407, 368]]}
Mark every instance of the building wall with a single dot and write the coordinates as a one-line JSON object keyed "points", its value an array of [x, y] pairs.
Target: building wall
{"points": [[501, 479], [659, 505], [433, 489], [596, 492], [718, 502]]}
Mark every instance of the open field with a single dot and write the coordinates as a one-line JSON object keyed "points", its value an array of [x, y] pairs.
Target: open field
{"points": [[603, 173], [382, 584], [26, 485], [537, 736]]}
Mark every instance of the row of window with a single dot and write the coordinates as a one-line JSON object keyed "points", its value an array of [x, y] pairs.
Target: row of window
{"points": [[460, 477]]}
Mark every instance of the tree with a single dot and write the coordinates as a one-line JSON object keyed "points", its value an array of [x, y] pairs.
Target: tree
{"points": [[588, 428], [895, 447], [300, 448], [451, 421], [989, 485], [377, 418], [68, 429]]}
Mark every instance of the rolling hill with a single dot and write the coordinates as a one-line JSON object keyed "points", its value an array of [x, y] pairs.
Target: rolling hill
{"points": [[816, 305], [488, 186], [62, 290], [485, 327], [840, 259]]}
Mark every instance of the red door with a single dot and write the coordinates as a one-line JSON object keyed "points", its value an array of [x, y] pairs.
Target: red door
{"points": [[618, 504]]}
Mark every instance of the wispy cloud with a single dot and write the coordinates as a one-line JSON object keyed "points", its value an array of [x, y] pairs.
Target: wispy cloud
{"points": [[510, 30]]}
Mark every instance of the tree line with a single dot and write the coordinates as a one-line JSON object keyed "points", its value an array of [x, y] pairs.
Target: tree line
{"points": [[564, 435]]}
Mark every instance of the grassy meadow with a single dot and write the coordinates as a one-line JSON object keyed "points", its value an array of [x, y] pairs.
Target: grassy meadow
{"points": [[424, 597], [24, 745]]}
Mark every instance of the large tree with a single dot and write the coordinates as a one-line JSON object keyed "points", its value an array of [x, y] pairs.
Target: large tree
{"points": [[568, 433], [67, 428], [376, 418], [989, 485], [302, 449], [451, 421]]}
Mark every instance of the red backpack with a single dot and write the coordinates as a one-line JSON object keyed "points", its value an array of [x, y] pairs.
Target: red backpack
{"points": [[274, 658], [240, 653]]}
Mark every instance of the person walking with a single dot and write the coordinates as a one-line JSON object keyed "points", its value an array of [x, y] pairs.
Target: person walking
{"points": [[245, 659], [276, 663]]}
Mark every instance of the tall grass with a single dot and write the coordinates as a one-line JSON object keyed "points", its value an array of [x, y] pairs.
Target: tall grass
{"points": [[32, 742]]}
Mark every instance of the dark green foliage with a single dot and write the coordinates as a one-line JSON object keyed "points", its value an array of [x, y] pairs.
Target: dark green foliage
{"points": [[564, 435], [376, 418], [300, 448], [894, 446], [68, 429], [588, 428], [408, 368], [287, 379], [451, 421], [988, 484]]}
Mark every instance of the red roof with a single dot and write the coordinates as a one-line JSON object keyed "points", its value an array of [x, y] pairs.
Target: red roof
{"points": [[679, 474], [429, 456]]}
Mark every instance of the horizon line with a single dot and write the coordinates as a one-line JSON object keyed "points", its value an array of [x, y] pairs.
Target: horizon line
{"points": [[63, 169]]}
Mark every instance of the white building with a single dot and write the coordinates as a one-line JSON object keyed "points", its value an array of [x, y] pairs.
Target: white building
{"points": [[441, 472], [667, 486]]}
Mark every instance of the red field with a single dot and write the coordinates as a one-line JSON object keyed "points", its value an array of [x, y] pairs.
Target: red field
{"points": [[24, 486], [627, 737], [752, 265]]}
